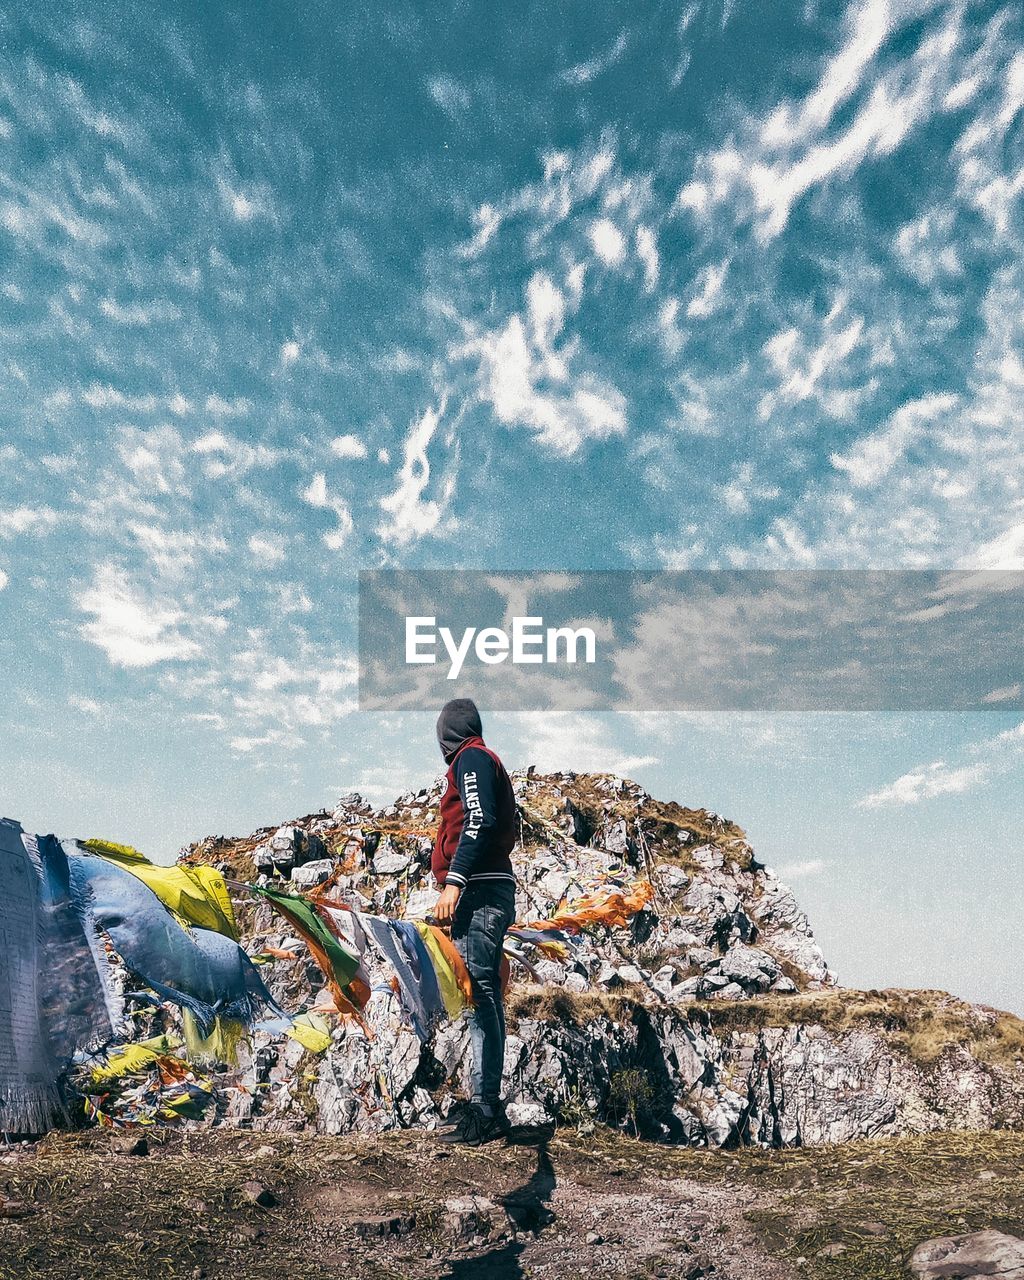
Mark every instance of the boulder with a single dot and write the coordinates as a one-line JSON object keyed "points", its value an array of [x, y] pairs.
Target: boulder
{"points": [[389, 861], [469, 1216], [983, 1253], [312, 873]]}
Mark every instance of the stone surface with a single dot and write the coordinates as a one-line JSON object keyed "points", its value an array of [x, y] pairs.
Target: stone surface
{"points": [[256, 1193], [983, 1253], [312, 873]]}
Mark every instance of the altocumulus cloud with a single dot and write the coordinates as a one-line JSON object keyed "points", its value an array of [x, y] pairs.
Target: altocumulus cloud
{"points": [[990, 758], [132, 631]]}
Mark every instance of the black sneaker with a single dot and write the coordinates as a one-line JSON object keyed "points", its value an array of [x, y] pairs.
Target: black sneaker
{"points": [[474, 1129], [456, 1115]]}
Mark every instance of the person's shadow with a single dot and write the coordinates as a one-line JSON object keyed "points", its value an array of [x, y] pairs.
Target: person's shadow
{"points": [[527, 1209]]}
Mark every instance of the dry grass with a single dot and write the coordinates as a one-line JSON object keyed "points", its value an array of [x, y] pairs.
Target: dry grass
{"points": [[924, 1025], [182, 1211], [879, 1199], [554, 1004], [660, 821]]}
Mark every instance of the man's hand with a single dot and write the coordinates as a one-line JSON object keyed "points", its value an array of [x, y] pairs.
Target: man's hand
{"points": [[444, 907]]}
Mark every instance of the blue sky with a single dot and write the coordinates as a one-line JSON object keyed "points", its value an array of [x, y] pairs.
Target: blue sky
{"points": [[286, 293]]}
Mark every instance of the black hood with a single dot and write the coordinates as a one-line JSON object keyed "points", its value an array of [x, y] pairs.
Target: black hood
{"points": [[459, 720]]}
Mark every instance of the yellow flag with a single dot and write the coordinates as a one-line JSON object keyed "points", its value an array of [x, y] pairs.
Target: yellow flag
{"points": [[196, 895]]}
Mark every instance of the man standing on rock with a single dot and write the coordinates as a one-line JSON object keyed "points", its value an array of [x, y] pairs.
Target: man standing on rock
{"points": [[472, 863]]}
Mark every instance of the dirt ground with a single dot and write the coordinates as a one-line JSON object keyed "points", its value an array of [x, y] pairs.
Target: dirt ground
{"points": [[210, 1203]]}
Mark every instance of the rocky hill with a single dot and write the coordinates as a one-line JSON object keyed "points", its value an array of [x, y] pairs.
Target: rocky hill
{"points": [[712, 1019]]}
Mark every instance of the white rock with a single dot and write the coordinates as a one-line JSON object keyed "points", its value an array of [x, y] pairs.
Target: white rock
{"points": [[664, 979], [722, 1120], [421, 902], [527, 1115], [983, 1253], [312, 873], [732, 991], [686, 989], [631, 973], [388, 861], [750, 966]]}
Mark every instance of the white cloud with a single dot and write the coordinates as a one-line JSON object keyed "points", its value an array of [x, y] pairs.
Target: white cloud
{"points": [[245, 744], [100, 396], [135, 314], [290, 352], [927, 248], [708, 296], [987, 759], [225, 454], [545, 306], [26, 520], [172, 551], [317, 495], [452, 97], [4, 580], [131, 630], [487, 221], [874, 455], [1008, 693], [218, 407], [983, 181], [293, 599], [243, 205], [800, 870], [607, 241], [87, 706], [155, 458], [1004, 551], [530, 381], [954, 498], [348, 447], [925, 784], [829, 362], [744, 490], [267, 548], [647, 252], [315, 492], [774, 162], [582, 73], [411, 515], [572, 740], [307, 689]]}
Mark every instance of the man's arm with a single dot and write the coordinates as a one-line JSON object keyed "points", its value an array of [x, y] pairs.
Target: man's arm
{"points": [[476, 776]]}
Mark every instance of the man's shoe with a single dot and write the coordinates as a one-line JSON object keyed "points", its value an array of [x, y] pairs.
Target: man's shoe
{"points": [[455, 1116], [474, 1129]]}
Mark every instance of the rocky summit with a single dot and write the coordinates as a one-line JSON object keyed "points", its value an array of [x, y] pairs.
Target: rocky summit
{"points": [[713, 1019]]}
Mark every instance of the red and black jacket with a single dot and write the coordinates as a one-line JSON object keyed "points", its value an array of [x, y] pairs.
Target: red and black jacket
{"points": [[477, 831]]}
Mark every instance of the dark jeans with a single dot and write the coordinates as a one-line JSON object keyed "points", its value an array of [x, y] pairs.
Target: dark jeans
{"points": [[485, 910]]}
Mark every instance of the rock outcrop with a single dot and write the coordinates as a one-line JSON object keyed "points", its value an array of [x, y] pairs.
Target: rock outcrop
{"points": [[713, 1019], [983, 1253]]}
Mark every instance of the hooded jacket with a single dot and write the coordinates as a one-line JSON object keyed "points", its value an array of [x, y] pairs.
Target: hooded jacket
{"points": [[477, 829]]}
